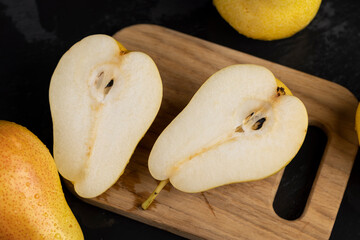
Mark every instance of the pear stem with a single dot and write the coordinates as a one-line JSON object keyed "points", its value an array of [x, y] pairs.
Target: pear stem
{"points": [[153, 195]]}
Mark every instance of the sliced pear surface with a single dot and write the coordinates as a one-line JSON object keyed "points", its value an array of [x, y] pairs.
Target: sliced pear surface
{"points": [[238, 127], [103, 99]]}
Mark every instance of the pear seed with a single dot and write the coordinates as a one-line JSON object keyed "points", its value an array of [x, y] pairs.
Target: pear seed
{"points": [[108, 86], [239, 129], [259, 124], [248, 117], [99, 79]]}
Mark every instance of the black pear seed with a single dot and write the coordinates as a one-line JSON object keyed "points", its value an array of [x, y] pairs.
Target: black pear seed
{"points": [[259, 124]]}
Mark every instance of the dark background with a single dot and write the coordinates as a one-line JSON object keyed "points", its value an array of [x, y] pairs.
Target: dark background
{"points": [[35, 33]]}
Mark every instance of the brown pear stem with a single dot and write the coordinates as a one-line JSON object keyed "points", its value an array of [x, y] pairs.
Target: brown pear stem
{"points": [[153, 195]]}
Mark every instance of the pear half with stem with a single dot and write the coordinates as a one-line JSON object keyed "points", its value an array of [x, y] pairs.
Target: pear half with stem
{"points": [[239, 126], [103, 99]]}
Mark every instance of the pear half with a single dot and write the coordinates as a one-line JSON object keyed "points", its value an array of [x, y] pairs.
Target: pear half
{"points": [[239, 126], [103, 99]]}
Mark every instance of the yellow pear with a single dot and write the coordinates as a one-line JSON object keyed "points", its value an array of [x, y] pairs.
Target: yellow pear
{"points": [[32, 203], [357, 122], [268, 19]]}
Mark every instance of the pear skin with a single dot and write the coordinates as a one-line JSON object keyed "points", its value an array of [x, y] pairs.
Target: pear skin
{"points": [[32, 203], [268, 20], [357, 122]]}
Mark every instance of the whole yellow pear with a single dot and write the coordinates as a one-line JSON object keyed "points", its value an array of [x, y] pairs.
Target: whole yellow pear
{"points": [[268, 19], [32, 203]]}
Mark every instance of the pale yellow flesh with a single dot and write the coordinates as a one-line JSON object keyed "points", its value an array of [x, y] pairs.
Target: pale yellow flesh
{"points": [[268, 19], [32, 203], [97, 127], [212, 143]]}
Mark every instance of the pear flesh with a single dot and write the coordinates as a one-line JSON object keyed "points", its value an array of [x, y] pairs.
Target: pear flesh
{"points": [[237, 127], [103, 99]]}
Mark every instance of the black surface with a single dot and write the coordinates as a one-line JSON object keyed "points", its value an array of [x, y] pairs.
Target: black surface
{"points": [[35, 33]]}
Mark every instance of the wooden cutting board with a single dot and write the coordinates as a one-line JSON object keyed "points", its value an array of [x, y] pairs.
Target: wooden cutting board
{"points": [[241, 210]]}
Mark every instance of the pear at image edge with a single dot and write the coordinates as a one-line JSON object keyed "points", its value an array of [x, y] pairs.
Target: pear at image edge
{"points": [[268, 20], [226, 117], [32, 203], [103, 99]]}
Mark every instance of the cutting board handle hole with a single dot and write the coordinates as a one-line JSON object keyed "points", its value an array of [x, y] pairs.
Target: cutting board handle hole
{"points": [[296, 183]]}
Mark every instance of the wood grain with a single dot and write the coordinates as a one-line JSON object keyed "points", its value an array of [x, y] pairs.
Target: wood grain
{"points": [[242, 210]]}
